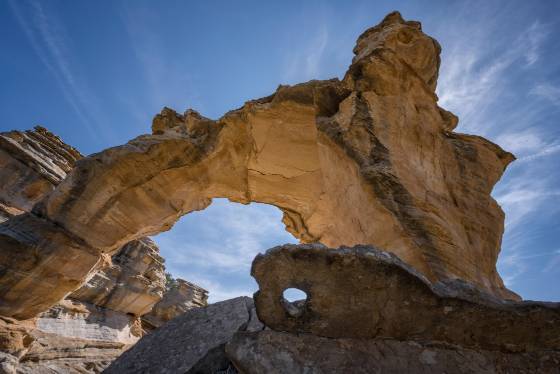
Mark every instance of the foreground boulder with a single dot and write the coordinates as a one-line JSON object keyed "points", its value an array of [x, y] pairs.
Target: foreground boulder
{"points": [[366, 312], [280, 352], [369, 159], [362, 292], [191, 343]]}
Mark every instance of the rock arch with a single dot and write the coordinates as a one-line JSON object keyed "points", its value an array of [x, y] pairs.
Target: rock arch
{"points": [[371, 159]]}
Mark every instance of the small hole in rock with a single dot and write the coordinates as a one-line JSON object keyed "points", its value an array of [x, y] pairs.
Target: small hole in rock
{"points": [[293, 300], [294, 294]]}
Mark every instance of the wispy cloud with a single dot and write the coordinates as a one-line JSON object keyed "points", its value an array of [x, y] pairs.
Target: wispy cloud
{"points": [[168, 82], [304, 63], [305, 58], [548, 92], [50, 42], [528, 144], [481, 79], [223, 241], [472, 74]]}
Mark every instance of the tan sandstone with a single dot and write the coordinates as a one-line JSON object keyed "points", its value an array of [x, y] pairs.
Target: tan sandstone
{"points": [[371, 159]]}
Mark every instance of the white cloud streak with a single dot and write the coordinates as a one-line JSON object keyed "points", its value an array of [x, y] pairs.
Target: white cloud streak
{"points": [[472, 78], [49, 41], [547, 91], [228, 237]]}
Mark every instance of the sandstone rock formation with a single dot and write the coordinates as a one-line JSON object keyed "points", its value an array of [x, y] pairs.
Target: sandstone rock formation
{"points": [[191, 343], [366, 312], [179, 298], [365, 293], [32, 163], [371, 159], [94, 324], [132, 282], [278, 352]]}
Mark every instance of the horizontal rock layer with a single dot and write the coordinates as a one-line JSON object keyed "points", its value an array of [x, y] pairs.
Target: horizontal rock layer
{"points": [[32, 163], [132, 282], [180, 297], [278, 352]]}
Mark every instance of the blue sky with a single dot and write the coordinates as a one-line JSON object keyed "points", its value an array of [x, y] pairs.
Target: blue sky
{"points": [[95, 73]]}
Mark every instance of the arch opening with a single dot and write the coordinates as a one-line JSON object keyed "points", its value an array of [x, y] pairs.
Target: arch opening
{"points": [[214, 247]]}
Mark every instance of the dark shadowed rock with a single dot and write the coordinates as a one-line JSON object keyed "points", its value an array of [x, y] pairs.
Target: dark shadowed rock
{"points": [[274, 352], [194, 340], [362, 292]]}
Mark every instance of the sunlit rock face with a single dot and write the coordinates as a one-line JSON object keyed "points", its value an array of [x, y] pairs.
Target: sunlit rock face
{"points": [[179, 298], [32, 163], [370, 159], [132, 282], [86, 330]]}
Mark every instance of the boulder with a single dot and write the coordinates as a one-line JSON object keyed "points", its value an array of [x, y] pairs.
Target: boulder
{"points": [[362, 292], [190, 343], [281, 352]]}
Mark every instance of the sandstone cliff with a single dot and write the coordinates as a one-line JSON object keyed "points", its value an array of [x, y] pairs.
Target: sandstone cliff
{"points": [[94, 324], [179, 298], [32, 163]]}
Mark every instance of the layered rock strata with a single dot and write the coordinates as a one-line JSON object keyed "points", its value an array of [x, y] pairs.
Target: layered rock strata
{"points": [[192, 342], [132, 282], [369, 159], [97, 322], [179, 298], [32, 163]]}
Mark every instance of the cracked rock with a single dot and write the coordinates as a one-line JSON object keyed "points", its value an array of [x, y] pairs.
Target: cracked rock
{"points": [[193, 341], [362, 292]]}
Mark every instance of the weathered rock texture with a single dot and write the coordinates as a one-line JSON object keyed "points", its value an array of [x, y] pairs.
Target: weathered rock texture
{"points": [[132, 282], [371, 159], [97, 322], [191, 343], [32, 163], [73, 344], [180, 297], [365, 293], [277, 352]]}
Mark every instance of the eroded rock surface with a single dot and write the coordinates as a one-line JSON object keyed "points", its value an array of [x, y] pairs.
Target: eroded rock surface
{"points": [[32, 163], [370, 159], [96, 323], [132, 282], [278, 353], [179, 298], [192, 342], [362, 292]]}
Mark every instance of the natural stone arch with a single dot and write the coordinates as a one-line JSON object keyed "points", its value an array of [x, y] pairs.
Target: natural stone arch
{"points": [[370, 159]]}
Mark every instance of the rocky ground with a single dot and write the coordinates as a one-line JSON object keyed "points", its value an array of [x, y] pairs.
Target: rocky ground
{"points": [[387, 319]]}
